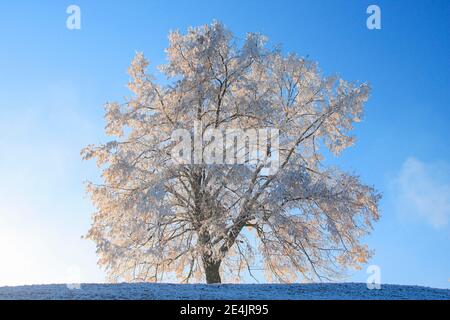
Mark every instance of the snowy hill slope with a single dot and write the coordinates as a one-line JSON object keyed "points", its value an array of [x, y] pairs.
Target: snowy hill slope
{"points": [[149, 291]]}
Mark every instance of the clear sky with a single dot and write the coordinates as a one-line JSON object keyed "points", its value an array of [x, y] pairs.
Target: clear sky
{"points": [[54, 81]]}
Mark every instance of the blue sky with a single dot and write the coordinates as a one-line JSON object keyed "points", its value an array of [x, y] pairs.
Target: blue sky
{"points": [[54, 82]]}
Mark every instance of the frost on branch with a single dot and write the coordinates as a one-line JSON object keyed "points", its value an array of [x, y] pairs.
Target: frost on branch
{"points": [[199, 222]]}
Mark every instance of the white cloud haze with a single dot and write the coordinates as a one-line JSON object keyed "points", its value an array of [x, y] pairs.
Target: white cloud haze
{"points": [[422, 191]]}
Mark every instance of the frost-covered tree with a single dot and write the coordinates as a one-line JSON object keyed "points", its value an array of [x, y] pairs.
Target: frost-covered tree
{"points": [[206, 222]]}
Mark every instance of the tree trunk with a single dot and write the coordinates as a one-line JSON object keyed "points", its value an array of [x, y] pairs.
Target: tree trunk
{"points": [[212, 271]]}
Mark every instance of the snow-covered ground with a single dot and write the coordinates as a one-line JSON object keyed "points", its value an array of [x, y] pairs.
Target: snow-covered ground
{"points": [[150, 291]]}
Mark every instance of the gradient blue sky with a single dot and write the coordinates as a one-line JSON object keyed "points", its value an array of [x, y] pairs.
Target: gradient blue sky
{"points": [[53, 83]]}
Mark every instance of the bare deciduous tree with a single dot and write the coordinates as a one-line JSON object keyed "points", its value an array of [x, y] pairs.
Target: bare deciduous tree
{"points": [[200, 221]]}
